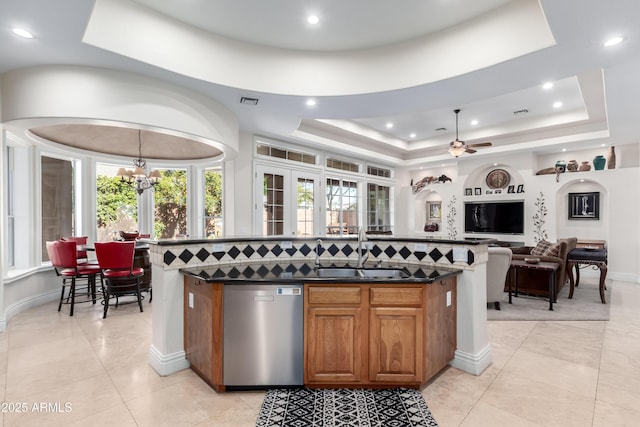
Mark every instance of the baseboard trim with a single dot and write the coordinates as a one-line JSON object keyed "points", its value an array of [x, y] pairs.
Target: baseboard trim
{"points": [[473, 363], [166, 365], [26, 304]]}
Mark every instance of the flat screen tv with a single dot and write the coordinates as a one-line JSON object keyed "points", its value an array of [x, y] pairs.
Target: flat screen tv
{"points": [[494, 217]]}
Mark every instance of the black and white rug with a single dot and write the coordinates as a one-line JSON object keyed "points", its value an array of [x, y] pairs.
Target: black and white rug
{"points": [[306, 407]]}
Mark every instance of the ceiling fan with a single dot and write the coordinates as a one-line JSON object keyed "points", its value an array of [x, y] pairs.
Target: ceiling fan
{"points": [[457, 147]]}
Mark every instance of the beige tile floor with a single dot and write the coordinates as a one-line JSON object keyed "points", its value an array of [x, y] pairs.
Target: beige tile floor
{"points": [[86, 371]]}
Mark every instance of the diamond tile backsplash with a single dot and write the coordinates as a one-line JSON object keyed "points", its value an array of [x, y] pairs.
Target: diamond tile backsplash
{"points": [[185, 254]]}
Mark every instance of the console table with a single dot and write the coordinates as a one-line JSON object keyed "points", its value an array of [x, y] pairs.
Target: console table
{"points": [[587, 256], [550, 267]]}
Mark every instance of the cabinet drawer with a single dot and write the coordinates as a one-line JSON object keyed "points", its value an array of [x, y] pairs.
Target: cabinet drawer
{"points": [[396, 295], [334, 294]]}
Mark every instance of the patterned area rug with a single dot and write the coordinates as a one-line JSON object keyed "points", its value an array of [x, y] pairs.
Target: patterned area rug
{"points": [[305, 407]]}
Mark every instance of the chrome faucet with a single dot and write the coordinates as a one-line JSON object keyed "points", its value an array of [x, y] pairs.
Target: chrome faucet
{"points": [[318, 248], [362, 258]]}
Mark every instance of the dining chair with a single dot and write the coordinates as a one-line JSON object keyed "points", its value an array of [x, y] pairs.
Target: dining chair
{"points": [[121, 277], [82, 254], [63, 256]]}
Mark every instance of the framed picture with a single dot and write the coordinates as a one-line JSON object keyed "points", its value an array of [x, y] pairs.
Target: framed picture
{"points": [[511, 189], [521, 188], [584, 205], [478, 191], [488, 192], [468, 192], [434, 211], [498, 191]]}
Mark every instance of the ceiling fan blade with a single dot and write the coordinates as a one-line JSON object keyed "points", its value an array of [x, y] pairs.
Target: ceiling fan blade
{"points": [[469, 150], [480, 144]]}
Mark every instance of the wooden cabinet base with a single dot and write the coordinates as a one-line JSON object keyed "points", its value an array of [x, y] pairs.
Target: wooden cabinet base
{"points": [[378, 336]]}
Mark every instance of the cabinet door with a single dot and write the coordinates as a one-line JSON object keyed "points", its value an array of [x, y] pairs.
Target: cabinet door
{"points": [[441, 325], [333, 344], [396, 344]]}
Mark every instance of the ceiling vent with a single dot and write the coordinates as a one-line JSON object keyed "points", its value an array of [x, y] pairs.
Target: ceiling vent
{"points": [[519, 112], [440, 129], [249, 101]]}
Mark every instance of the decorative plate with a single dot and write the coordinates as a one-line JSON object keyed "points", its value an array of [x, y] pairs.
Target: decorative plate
{"points": [[498, 178]]}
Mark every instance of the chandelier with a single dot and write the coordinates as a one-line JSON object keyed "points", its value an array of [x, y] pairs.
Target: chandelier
{"points": [[138, 176]]}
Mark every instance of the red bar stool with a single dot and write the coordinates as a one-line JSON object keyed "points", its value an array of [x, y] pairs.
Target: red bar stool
{"points": [[63, 256], [121, 278], [82, 254]]}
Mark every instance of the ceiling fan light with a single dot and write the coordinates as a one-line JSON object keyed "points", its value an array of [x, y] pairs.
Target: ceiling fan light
{"points": [[456, 151]]}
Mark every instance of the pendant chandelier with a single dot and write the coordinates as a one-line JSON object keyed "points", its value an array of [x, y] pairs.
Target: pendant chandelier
{"points": [[138, 177]]}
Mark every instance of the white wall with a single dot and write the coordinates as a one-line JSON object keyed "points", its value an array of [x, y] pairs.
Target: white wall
{"points": [[619, 201]]}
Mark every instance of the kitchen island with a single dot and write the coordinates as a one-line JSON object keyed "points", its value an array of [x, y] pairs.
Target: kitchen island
{"points": [[392, 326], [169, 258]]}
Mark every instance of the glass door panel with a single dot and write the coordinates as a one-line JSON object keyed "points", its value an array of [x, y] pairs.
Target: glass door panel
{"points": [[287, 202]]}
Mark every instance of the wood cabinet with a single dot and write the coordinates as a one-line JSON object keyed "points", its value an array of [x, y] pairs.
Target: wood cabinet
{"points": [[203, 329], [335, 324], [378, 334], [441, 325]]}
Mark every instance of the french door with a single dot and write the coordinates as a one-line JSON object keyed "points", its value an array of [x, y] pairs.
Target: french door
{"points": [[287, 202]]}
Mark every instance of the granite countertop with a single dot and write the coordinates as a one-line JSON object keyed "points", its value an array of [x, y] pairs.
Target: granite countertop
{"points": [[307, 272]]}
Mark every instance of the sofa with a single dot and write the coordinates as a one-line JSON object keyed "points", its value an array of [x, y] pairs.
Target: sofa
{"points": [[535, 282]]}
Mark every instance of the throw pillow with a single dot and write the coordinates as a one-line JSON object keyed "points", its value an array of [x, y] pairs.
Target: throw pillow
{"points": [[541, 248], [553, 250], [544, 248]]}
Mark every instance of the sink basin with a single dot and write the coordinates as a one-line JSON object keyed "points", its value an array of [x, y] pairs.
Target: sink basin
{"points": [[370, 273], [383, 273], [337, 272]]}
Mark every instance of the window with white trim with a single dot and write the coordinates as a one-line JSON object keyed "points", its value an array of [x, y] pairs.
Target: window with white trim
{"points": [[342, 206]]}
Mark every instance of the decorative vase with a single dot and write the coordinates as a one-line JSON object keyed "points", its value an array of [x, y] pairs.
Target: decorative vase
{"points": [[572, 166], [561, 166], [599, 162], [584, 166], [611, 158]]}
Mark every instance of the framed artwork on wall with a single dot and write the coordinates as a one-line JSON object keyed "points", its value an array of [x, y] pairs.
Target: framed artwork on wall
{"points": [[584, 205], [434, 211]]}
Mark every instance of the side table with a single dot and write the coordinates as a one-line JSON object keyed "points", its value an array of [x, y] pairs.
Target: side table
{"points": [[550, 267], [587, 256]]}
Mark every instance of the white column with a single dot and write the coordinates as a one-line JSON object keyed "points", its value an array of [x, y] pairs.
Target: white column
{"points": [[166, 354], [473, 354]]}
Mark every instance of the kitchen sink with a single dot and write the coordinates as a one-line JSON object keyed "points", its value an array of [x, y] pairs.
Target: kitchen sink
{"points": [[329, 272], [383, 273], [369, 273]]}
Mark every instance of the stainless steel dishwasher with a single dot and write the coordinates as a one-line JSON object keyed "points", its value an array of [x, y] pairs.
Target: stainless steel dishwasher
{"points": [[263, 335]]}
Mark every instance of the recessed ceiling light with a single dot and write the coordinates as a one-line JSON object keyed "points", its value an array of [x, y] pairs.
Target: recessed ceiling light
{"points": [[547, 86], [557, 104], [413, 135], [311, 102], [603, 145], [313, 19], [613, 41], [564, 149], [22, 33], [389, 125], [474, 122]]}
